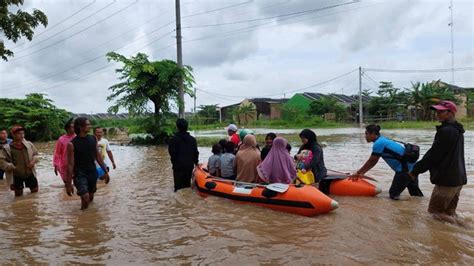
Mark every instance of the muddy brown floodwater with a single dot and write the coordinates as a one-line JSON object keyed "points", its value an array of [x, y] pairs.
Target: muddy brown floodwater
{"points": [[137, 219]]}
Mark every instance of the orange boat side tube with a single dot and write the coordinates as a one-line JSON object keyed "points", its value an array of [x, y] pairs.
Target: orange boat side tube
{"points": [[346, 187], [302, 200]]}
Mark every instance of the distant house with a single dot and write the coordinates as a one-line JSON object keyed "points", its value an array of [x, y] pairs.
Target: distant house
{"points": [[263, 109], [462, 94], [226, 112], [302, 101]]}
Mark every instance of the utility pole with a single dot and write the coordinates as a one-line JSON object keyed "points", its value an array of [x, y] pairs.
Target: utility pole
{"points": [[451, 24], [180, 59], [195, 100], [361, 109]]}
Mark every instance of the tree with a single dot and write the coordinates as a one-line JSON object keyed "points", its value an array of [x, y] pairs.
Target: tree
{"points": [[40, 117], [144, 81], [426, 94], [328, 104], [390, 100], [16, 25], [208, 113], [247, 111]]}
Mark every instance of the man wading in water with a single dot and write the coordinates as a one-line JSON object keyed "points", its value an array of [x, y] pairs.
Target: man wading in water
{"points": [[184, 155], [82, 154], [19, 159], [445, 161]]}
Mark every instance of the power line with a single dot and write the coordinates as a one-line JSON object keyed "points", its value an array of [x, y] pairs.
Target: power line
{"points": [[369, 78], [97, 58], [59, 32], [217, 9], [439, 70], [317, 84], [290, 91], [59, 23], [78, 32], [154, 40], [251, 28], [299, 13]]}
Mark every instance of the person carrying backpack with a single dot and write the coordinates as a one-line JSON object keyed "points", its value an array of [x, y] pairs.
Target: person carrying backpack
{"points": [[393, 153]]}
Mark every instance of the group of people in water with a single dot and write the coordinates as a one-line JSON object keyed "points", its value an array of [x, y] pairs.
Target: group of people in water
{"points": [[78, 159], [239, 158]]}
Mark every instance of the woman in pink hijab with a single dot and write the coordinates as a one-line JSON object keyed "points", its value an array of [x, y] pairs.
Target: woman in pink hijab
{"points": [[278, 166]]}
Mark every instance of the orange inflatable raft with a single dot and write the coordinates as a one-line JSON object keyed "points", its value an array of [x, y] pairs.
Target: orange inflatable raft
{"points": [[303, 200], [347, 187]]}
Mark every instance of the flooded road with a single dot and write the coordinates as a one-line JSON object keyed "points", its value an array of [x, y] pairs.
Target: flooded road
{"points": [[138, 219]]}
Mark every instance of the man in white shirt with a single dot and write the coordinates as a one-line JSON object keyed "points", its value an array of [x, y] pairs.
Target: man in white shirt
{"points": [[103, 146]]}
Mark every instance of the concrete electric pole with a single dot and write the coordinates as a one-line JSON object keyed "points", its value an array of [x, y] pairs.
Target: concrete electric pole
{"points": [[179, 59]]}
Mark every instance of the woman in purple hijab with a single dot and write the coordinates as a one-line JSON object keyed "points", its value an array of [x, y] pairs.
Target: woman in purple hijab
{"points": [[278, 166]]}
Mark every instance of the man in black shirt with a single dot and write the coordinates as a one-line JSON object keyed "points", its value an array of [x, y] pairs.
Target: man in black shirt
{"points": [[184, 155], [445, 161], [82, 154]]}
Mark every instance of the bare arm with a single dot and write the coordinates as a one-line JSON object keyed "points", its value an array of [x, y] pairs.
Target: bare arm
{"points": [[371, 162], [70, 162], [111, 157], [70, 169], [100, 160]]}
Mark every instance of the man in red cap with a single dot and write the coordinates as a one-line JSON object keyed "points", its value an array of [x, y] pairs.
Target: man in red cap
{"points": [[445, 161], [18, 159]]}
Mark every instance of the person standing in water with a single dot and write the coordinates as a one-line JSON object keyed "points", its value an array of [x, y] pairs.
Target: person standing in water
{"points": [[104, 146], [391, 152], [82, 155], [445, 161], [3, 140], [19, 159], [184, 155], [60, 150]]}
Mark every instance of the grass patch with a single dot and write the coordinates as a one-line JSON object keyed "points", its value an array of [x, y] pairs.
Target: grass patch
{"points": [[408, 124]]}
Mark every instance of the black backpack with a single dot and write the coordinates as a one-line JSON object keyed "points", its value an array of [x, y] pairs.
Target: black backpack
{"points": [[412, 153]]}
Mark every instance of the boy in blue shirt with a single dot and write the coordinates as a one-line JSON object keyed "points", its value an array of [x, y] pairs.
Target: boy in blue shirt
{"points": [[390, 151]]}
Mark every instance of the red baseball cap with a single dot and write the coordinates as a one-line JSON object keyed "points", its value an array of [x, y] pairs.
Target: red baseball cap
{"points": [[16, 129], [445, 105]]}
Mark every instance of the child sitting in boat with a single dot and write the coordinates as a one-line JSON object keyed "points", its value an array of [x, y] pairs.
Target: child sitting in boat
{"points": [[304, 160], [227, 169], [214, 162]]}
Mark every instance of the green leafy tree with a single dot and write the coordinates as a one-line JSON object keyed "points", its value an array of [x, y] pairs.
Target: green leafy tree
{"points": [[40, 117], [247, 112], [328, 105], [236, 114], [144, 82], [208, 114], [424, 95], [19, 24], [293, 113], [390, 101]]}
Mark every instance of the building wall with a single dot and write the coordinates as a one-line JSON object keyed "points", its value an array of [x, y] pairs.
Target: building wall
{"points": [[276, 111], [299, 101], [462, 106]]}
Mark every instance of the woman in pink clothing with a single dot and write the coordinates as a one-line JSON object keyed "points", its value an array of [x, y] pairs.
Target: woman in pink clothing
{"points": [[60, 150]]}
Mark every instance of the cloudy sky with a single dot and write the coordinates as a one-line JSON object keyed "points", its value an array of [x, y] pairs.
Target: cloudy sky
{"points": [[240, 48]]}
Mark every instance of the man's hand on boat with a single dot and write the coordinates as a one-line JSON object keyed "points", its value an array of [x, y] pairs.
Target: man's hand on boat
{"points": [[355, 176]]}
